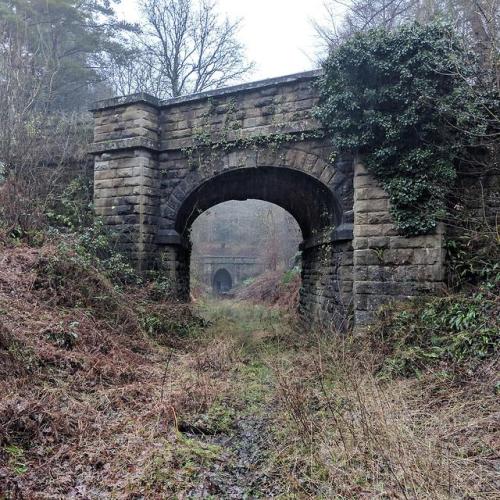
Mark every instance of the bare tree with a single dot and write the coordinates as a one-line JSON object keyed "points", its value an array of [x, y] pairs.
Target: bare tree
{"points": [[476, 20], [360, 15], [133, 72], [35, 142], [189, 47]]}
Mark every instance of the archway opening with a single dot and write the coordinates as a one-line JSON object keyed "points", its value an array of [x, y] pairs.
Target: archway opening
{"points": [[252, 241], [325, 279], [310, 202], [222, 282]]}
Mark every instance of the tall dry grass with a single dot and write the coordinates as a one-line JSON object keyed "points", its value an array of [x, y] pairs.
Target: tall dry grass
{"points": [[352, 434]]}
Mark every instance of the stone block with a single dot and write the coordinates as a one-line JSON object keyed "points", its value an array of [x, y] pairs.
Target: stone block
{"points": [[364, 230], [363, 181], [379, 205], [360, 170], [428, 256], [428, 241], [383, 217], [403, 274], [369, 193], [375, 289], [371, 303]]}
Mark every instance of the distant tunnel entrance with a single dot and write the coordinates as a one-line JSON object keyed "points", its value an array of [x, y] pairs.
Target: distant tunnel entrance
{"points": [[222, 282]]}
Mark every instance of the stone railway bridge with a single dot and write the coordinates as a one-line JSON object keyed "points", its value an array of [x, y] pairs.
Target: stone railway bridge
{"points": [[224, 272], [159, 164]]}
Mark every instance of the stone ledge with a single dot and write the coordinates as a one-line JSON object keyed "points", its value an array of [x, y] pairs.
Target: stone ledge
{"points": [[144, 98], [119, 144], [341, 233], [115, 102], [296, 77]]}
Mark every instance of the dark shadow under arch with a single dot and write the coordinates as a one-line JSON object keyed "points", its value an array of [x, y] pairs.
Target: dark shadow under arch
{"points": [[222, 281], [313, 205]]}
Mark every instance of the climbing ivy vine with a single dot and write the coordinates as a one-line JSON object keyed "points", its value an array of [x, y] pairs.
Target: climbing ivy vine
{"points": [[402, 101], [209, 144]]}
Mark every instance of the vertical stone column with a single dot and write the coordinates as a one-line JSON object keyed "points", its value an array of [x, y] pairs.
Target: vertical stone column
{"points": [[387, 266], [126, 173], [173, 259], [326, 292]]}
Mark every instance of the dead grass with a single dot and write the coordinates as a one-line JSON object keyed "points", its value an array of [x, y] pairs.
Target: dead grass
{"points": [[90, 405], [88, 398], [270, 288], [353, 435]]}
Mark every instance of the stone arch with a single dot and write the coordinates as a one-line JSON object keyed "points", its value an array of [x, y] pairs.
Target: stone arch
{"points": [[317, 208], [313, 205], [333, 180], [222, 281]]}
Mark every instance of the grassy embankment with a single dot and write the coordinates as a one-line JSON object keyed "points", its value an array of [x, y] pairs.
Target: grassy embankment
{"points": [[108, 392]]}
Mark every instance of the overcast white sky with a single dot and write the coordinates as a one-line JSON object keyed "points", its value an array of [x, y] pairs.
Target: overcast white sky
{"points": [[277, 34]]}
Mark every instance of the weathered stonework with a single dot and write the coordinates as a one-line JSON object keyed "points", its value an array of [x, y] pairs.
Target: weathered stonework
{"points": [[239, 268], [158, 165], [387, 266]]}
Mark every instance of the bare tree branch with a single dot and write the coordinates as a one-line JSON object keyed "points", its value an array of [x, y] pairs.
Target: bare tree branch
{"points": [[186, 47]]}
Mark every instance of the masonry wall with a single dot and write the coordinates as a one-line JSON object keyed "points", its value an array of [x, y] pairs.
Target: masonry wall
{"points": [[126, 176], [326, 293], [152, 157], [285, 108], [389, 267]]}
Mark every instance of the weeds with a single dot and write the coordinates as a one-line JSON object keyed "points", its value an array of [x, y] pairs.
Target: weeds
{"points": [[16, 460], [459, 331], [350, 434], [170, 324], [114, 393]]}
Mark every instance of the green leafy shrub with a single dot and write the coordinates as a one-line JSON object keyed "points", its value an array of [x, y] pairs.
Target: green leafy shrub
{"points": [[72, 209], [473, 259], [454, 330], [85, 271], [403, 101], [95, 247], [160, 286], [66, 211]]}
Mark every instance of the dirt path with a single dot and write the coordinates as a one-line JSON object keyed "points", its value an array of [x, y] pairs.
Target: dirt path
{"points": [[244, 468], [241, 471]]}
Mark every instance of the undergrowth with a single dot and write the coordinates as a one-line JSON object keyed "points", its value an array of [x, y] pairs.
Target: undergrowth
{"points": [[456, 332], [83, 367], [349, 430]]}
